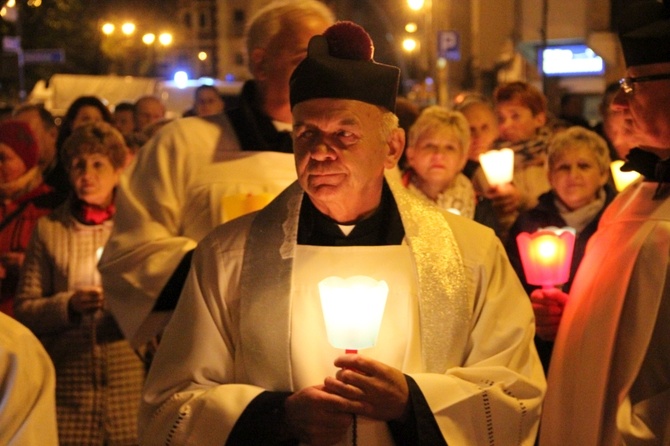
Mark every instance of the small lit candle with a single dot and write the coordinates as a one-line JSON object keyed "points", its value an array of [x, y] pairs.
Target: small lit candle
{"points": [[622, 179], [352, 309], [546, 255], [498, 166]]}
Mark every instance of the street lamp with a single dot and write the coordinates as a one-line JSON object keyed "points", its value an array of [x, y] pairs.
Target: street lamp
{"points": [[128, 28], [428, 35], [409, 45], [108, 28], [8, 11], [165, 39], [415, 5], [151, 40]]}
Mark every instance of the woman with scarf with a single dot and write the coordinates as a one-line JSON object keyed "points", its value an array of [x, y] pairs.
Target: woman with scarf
{"points": [[24, 197], [437, 150], [98, 375], [522, 116], [578, 171]]}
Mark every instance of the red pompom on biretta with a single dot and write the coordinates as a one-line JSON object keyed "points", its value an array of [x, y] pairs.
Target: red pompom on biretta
{"points": [[339, 65], [347, 40]]}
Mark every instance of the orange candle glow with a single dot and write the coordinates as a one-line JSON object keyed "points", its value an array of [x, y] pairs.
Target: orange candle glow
{"points": [[546, 255]]}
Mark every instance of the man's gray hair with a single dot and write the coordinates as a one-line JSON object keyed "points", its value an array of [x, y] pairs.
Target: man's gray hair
{"points": [[389, 122], [267, 22]]}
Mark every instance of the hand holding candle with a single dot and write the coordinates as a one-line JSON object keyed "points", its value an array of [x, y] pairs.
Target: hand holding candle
{"points": [[87, 299], [548, 307], [88, 296]]}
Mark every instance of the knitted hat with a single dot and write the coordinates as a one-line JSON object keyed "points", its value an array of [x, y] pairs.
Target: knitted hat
{"points": [[644, 31], [339, 65], [18, 136]]}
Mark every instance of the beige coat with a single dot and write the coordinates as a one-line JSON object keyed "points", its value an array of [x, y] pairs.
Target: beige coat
{"points": [[98, 376]]}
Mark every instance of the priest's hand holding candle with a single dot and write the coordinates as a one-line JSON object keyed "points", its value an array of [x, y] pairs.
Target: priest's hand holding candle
{"points": [[353, 310]]}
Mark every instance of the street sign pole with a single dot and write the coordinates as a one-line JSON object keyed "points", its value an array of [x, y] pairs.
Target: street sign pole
{"points": [[19, 55], [448, 48]]}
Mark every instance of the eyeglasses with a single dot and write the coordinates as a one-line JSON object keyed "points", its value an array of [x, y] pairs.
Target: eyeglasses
{"points": [[626, 83]]}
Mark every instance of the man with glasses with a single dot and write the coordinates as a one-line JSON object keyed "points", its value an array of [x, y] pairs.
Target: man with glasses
{"points": [[609, 380]]}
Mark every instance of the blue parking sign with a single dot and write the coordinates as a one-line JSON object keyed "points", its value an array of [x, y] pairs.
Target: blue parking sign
{"points": [[449, 45]]}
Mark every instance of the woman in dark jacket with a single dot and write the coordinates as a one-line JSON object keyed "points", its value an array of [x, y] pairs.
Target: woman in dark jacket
{"points": [[578, 170]]}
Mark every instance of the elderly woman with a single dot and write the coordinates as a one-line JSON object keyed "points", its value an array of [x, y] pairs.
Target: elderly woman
{"points": [[98, 375], [23, 199], [437, 150], [578, 171]]}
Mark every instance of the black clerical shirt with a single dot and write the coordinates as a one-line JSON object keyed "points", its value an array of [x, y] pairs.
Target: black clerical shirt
{"points": [[383, 227]]}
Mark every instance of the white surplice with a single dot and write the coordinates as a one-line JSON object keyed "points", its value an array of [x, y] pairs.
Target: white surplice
{"points": [[247, 322], [609, 381], [27, 388], [168, 200]]}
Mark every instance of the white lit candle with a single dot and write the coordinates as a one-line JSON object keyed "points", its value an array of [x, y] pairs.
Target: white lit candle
{"points": [[353, 309], [622, 179], [498, 166]]}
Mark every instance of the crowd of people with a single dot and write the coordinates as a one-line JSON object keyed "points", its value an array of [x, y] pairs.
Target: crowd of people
{"points": [[163, 275]]}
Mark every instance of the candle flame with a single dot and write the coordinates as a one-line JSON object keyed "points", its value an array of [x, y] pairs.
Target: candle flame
{"points": [[546, 255], [353, 309], [498, 166]]}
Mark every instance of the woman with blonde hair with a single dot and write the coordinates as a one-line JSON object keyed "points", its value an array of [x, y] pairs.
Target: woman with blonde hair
{"points": [[578, 171], [437, 150]]}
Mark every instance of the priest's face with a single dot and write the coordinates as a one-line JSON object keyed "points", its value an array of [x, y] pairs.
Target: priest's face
{"points": [[341, 150], [646, 109]]}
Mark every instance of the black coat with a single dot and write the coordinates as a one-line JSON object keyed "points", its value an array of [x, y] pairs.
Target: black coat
{"points": [[546, 214]]}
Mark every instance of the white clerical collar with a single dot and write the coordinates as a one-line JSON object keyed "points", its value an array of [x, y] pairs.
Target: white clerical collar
{"points": [[282, 126], [346, 229]]}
